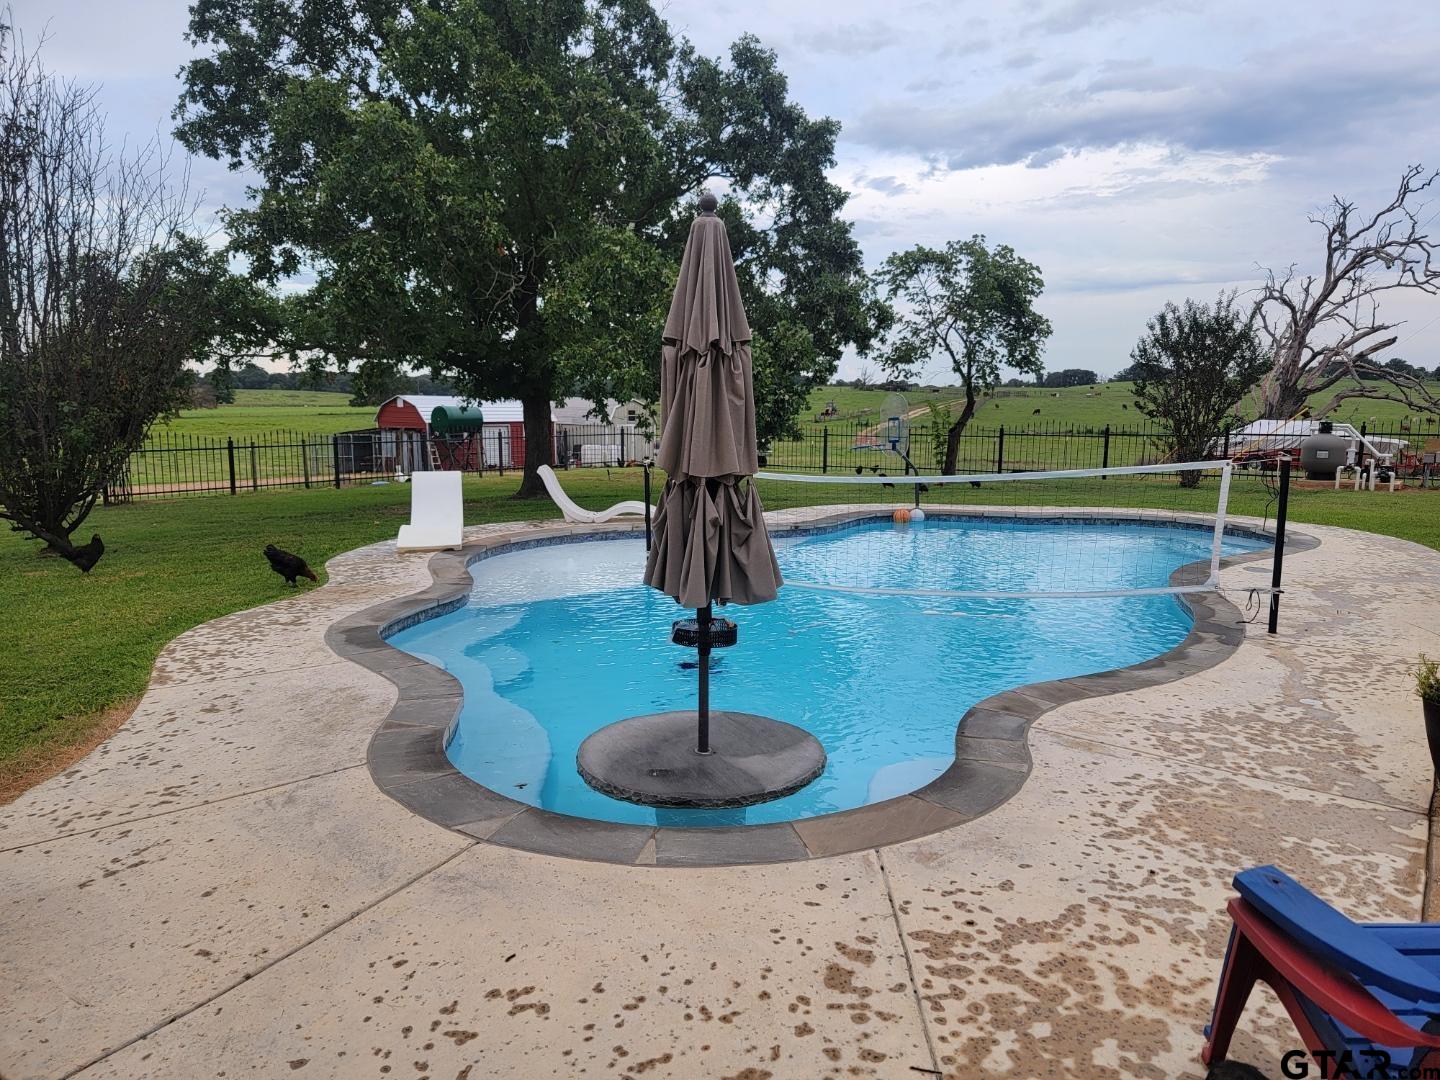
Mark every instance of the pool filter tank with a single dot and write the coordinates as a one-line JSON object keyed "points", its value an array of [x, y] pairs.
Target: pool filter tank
{"points": [[1324, 452]]}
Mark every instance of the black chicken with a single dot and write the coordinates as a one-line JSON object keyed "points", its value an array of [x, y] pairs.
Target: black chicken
{"points": [[287, 565], [887, 484], [87, 556]]}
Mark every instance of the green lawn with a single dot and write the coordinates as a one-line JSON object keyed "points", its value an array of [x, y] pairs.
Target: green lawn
{"points": [[77, 644]]}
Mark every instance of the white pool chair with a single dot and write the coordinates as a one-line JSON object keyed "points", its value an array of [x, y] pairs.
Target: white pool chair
{"points": [[579, 514], [437, 513]]}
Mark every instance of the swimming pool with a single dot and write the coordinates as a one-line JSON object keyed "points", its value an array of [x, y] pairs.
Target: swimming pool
{"points": [[558, 641]]}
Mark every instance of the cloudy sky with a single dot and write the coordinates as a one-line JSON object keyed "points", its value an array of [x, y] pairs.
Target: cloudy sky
{"points": [[1137, 150]]}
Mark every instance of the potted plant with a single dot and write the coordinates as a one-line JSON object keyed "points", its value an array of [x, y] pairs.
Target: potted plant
{"points": [[1427, 685]]}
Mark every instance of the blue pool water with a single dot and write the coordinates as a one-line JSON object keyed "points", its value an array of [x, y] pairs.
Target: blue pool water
{"points": [[559, 641]]}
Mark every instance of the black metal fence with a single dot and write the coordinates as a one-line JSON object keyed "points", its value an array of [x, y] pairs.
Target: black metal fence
{"points": [[840, 448], [171, 465], [176, 465], [846, 448]]}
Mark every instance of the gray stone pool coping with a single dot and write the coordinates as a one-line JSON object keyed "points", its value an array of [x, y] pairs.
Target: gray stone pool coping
{"points": [[407, 758]]}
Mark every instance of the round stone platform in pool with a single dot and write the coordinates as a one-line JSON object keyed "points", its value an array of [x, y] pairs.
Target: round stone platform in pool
{"points": [[653, 760]]}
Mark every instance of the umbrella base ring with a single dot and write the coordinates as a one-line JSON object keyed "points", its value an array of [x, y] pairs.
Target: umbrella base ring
{"points": [[652, 760]]}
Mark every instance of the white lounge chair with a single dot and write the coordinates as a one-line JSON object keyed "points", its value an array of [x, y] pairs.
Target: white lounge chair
{"points": [[579, 514], [437, 513]]}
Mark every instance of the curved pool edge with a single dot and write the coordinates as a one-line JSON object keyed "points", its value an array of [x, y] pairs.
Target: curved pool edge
{"points": [[407, 760]]}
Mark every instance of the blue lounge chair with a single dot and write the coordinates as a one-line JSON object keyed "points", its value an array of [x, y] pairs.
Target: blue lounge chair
{"points": [[1364, 997]]}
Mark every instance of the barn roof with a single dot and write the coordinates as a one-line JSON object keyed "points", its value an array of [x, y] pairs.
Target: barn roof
{"points": [[496, 412]]}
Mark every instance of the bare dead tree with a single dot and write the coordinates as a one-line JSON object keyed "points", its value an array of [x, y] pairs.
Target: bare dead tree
{"points": [[101, 300], [1325, 330]]}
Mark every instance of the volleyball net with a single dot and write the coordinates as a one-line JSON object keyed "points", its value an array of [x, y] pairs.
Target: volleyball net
{"points": [[1130, 531]]}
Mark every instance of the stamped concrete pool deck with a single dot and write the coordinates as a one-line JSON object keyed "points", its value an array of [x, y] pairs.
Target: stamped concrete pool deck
{"points": [[221, 889]]}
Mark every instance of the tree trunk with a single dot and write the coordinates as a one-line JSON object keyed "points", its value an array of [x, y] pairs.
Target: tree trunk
{"points": [[1282, 402], [952, 441], [539, 443]]}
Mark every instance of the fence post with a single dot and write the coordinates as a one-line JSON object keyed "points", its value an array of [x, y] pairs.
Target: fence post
{"points": [[335, 453], [825, 452], [305, 459], [230, 455], [254, 468], [1277, 565], [1105, 451], [1000, 450]]}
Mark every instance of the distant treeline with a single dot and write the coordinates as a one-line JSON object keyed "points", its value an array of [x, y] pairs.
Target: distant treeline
{"points": [[1053, 379], [217, 386]]}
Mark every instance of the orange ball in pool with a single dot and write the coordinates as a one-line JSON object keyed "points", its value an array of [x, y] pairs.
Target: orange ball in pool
{"points": [[902, 516]]}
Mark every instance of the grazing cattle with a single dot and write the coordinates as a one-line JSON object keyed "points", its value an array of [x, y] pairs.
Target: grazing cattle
{"points": [[1035, 412]]}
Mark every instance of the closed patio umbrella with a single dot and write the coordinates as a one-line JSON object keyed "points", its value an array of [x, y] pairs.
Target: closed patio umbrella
{"points": [[711, 545]]}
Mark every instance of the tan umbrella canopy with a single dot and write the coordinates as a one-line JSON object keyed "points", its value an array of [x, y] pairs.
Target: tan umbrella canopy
{"points": [[710, 538]]}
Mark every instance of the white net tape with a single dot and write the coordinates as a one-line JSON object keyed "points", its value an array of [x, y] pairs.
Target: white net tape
{"points": [[1143, 530]]}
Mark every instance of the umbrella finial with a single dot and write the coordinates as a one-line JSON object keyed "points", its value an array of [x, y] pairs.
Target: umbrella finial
{"points": [[708, 203]]}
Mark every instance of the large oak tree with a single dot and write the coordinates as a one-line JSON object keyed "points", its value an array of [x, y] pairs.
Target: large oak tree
{"points": [[498, 190]]}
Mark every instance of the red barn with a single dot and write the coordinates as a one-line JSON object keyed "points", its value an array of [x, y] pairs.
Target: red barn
{"points": [[405, 423]]}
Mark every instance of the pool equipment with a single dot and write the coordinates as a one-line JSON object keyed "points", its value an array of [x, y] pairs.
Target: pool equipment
{"points": [[1324, 452]]}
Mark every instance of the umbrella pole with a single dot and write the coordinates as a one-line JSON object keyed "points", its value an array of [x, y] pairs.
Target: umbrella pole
{"points": [[702, 618]]}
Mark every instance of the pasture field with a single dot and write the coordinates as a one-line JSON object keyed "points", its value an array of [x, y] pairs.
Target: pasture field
{"points": [[1079, 407], [258, 413]]}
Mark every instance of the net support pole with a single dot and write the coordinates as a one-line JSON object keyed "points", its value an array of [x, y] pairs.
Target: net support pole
{"points": [[702, 743], [1219, 541], [1277, 566]]}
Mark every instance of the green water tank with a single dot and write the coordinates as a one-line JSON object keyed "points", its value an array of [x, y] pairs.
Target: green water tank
{"points": [[455, 419]]}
